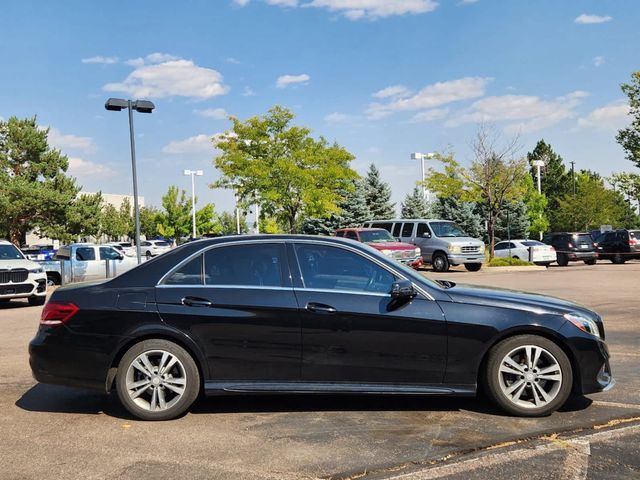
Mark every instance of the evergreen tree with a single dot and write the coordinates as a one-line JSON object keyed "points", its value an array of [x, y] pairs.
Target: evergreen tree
{"points": [[378, 195], [555, 180], [317, 226], [465, 214], [513, 221], [415, 205], [354, 210]]}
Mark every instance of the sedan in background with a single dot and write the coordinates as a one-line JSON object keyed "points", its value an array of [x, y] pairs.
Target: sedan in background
{"points": [[126, 248], [153, 248], [301, 314], [528, 250]]}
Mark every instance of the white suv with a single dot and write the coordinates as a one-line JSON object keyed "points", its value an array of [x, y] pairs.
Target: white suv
{"points": [[151, 248], [19, 277]]}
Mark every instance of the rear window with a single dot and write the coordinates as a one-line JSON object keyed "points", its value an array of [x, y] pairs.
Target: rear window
{"points": [[532, 243], [162, 244], [583, 238]]}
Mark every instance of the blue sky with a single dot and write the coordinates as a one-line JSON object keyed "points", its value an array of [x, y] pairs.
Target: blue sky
{"points": [[383, 78]]}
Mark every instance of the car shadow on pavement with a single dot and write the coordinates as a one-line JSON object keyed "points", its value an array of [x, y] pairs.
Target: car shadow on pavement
{"points": [[59, 399]]}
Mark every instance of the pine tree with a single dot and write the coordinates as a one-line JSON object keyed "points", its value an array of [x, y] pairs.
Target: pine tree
{"points": [[513, 221], [317, 226], [465, 214], [415, 205], [354, 208], [378, 195]]}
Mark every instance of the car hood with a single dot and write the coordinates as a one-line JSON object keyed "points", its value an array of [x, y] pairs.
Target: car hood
{"points": [[465, 241], [499, 297], [391, 246], [11, 264]]}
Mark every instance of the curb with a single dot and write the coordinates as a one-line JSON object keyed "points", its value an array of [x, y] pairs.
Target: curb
{"points": [[514, 268]]}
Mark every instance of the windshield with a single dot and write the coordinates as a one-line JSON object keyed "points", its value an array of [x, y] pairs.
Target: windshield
{"points": [[447, 229], [376, 236], [10, 252]]}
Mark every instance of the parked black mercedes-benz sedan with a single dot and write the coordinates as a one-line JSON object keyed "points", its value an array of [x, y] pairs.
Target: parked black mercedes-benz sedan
{"points": [[297, 314]]}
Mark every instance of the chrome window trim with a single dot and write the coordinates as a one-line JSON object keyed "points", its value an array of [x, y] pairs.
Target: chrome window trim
{"points": [[230, 287], [217, 245]]}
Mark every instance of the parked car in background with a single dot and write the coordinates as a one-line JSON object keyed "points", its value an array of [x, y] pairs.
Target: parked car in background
{"points": [[39, 252], [527, 250], [302, 314], [152, 248], [618, 246], [20, 277], [442, 242], [126, 248], [81, 262], [381, 240], [572, 247]]}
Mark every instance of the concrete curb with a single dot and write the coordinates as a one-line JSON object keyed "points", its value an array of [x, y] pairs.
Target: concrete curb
{"points": [[518, 268]]}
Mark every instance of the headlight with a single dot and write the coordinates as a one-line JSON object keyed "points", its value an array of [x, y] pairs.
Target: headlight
{"points": [[36, 270], [418, 251], [454, 248], [585, 324], [387, 251]]}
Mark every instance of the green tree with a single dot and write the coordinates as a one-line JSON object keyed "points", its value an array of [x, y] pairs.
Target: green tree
{"points": [[228, 223], [149, 221], [113, 225], [628, 184], [629, 137], [378, 195], [514, 220], [127, 218], [464, 213], [35, 191], [175, 220], [536, 208], [84, 217], [291, 175], [207, 222], [415, 205]]}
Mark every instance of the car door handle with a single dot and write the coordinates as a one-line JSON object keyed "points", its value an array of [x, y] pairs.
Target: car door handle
{"points": [[320, 308], [196, 302]]}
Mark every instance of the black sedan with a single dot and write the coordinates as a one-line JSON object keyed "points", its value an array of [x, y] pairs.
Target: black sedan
{"points": [[296, 314]]}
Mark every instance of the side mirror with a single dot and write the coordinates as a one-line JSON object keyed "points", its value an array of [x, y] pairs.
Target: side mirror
{"points": [[120, 256], [426, 235], [403, 290]]}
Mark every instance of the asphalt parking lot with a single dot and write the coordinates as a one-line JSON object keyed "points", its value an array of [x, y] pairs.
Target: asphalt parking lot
{"points": [[55, 432]]}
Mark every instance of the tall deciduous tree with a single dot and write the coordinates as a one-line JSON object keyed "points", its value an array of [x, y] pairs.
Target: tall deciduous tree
{"points": [[228, 223], [113, 224], [84, 217], [281, 167], [536, 208], [378, 195], [34, 188], [149, 221], [415, 205], [629, 137]]}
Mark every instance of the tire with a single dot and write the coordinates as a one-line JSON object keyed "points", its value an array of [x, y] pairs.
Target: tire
{"points": [[590, 262], [178, 387], [37, 301], [5, 300], [516, 258], [440, 262], [149, 256], [53, 278], [501, 378], [562, 260], [618, 259], [473, 267]]}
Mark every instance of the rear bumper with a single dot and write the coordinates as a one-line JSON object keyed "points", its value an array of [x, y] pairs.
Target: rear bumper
{"points": [[579, 256]]}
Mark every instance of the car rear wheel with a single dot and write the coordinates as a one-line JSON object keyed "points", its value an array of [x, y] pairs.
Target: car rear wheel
{"points": [[149, 255], [157, 380], [440, 262], [562, 260], [591, 262], [35, 300], [528, 376], [618, 259], [473, 267]]}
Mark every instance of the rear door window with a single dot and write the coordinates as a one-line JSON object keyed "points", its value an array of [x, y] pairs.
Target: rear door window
{"points": [[422, 229], [396, 229], [188, 274], [407, 230], [108, 253], [85, 254], [254, 265], [351, 235]]}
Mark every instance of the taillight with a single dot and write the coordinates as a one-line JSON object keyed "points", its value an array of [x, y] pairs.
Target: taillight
{"points": [[55, 313], [633, 241], [570, 245]]}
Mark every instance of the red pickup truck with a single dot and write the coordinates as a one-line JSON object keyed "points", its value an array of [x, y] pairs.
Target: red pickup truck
{"points": [[381, 239]]}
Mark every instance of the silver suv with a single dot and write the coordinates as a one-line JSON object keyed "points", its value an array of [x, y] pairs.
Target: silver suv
{"points": [[442, 242]]}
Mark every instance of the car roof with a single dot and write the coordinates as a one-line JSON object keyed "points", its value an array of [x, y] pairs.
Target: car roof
{"points": [[5, 242], [411, 220], [361, 229]]}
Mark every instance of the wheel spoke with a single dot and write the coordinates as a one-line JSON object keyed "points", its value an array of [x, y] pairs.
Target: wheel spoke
{"points": [[140, 383], [138, 392], [163, 360], [538, 388], [536, 398], [515, 385], [536, 357], [154, 399], [173, 388], [512, 362], [138, 365], [556, 378], [508, 369], [527, 352], [163, 403], [146, 362], [516, 396], [549, 369], [168, 366]]}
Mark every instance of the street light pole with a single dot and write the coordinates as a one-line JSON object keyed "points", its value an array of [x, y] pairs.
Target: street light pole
{"points": [[538, 164], [193, 174], [422, 157], [142, 106]]}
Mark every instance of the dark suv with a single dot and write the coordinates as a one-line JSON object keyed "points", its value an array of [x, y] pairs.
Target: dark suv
{"points": [[572, 247], [618, 245]]}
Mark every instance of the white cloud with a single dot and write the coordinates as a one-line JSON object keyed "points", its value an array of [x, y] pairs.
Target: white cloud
{"points": [[586, 19], [337, 118], [286, 80], [394, 91], [468, 2], [70, 142], [161, 75], [374, 9], [215, 113], [81, 168], [196, 144], [100, 59], [598, 61], [432, 96], [240, 3], [232, 60], [248, 92], [283, 3], [612, 116], [524, 113], [430, 115]]}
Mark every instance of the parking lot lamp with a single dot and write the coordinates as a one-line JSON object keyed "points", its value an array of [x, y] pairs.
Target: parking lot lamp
{"points": [[193, 174], [538, 164], [142, 106], [422, 157]]}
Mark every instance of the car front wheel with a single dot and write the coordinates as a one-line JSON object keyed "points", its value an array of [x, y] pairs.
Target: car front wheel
{"points": [[528, 376], [473, 267], [36, 300], [157, 380], [440, 262]]}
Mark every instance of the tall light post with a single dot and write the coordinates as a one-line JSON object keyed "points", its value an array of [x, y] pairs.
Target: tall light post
{"points": [[422, 157], [142, 106], [193, 174], [539, 164]]}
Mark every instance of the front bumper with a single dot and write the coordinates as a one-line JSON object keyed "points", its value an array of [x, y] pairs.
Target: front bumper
{"points": [[34, 285], [460, 258]]}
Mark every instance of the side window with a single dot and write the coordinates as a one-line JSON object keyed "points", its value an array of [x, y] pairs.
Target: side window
{"points": [[188, 274], [144, 244], [386, 225], [333, 268], [108, 253], [339, 233], [351, 235], [407, 230], [85, 254], [254, 265], [500, 246], [422, 229], [396, 229], [512, 246]]}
